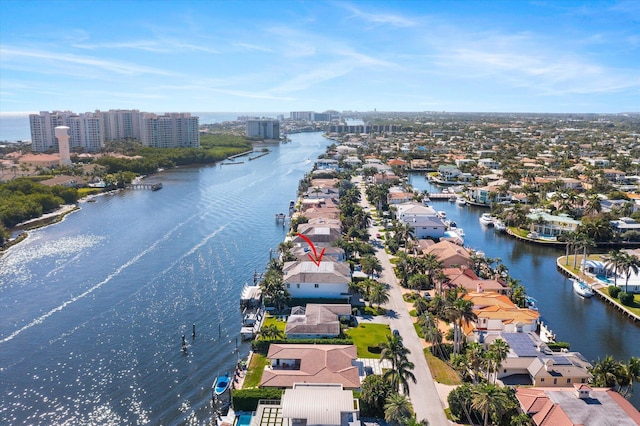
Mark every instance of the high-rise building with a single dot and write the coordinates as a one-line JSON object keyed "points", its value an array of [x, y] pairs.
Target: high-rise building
{"points": [[172, 130], [121, 124], [89, 131], [43, 137], [263, 128]]}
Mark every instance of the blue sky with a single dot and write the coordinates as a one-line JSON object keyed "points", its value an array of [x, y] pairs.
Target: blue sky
{"points": [[506, 56]]}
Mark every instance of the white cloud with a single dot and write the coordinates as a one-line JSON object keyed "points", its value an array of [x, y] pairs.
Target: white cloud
{"points": [[380, 18], [33, 60]]}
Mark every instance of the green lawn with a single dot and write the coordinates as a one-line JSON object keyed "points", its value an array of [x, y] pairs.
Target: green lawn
{"points": [[269, 320], [254, 371], [440, 370], [368, 335]]}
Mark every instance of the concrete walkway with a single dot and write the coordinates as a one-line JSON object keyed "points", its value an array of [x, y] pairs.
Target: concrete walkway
{"points": [[423, 394]]}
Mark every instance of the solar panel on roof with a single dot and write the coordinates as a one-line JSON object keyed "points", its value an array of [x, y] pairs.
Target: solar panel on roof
{"points": [[521, 344]]}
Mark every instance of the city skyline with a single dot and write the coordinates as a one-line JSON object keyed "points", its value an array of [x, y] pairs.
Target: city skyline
{"points": [[289, 56]]}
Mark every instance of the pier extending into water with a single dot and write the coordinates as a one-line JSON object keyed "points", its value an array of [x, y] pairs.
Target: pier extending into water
{"points": [[152, 186], [600, 290]]}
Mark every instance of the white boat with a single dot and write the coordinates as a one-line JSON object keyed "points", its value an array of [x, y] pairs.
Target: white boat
{"points": [[486, 219], [441, 214], [499, 226], [221, 385], [581, 288], [461, 201], [457, 230], [531, 303]]}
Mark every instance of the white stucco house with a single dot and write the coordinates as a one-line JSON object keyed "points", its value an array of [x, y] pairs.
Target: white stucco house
{"points": [[422, 219], [327, 280]]}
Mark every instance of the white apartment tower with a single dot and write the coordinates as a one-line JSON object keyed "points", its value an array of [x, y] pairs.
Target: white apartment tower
{"points": [[263, 128], [90, 130], [121, 124], [43, 136], [172, 130]]}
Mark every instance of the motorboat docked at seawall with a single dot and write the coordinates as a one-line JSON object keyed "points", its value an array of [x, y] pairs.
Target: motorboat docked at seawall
{"points": [[221, 385], [441, 214], [499, 226], [461, 201], [581, 288], [486, 219]]}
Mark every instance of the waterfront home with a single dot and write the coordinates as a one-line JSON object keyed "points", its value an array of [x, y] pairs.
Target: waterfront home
{"points": [[310, 404], [316, 321], [496, 313], [302, 252], [306, 279], [531, 362], [388, 177], [293, 363], [549, 225], [449, 254], [320, 212], [464, 277], [488, 194], [579, 404], [321, 235], [327, 164], [399, 197], [422, 219], [489, 163], [353, 162], [316, 192], [325, 183]]}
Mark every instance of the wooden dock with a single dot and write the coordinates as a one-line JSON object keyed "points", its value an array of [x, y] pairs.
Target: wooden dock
{"points": [[600, 290], [152, 186]]}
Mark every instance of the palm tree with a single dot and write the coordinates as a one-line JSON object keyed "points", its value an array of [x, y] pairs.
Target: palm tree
{"points": [[271, 332], [606, 372], [398, 409], [489, 399], [613, 262], [593, 205], [395, 351], [370, 265], [632, 373], [458, 311], [378, 294], [476, 355], [404, 374], [498, 350], [628, 264]]}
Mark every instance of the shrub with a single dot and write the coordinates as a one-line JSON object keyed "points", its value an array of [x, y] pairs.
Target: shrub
{"points": [[626, 299], [614, 291], [247, 399], [558, 346], [374, 349]]}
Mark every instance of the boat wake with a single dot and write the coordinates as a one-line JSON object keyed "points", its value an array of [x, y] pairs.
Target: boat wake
{"points": [[110, 277]]}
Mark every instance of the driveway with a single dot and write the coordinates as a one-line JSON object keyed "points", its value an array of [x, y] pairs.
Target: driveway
{"points": [[424, 395]]}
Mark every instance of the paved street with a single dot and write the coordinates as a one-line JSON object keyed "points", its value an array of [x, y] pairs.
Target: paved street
{"points": [[423, 393]]}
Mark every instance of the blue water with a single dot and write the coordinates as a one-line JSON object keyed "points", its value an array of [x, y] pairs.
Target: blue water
{"points": [[94, 308]]}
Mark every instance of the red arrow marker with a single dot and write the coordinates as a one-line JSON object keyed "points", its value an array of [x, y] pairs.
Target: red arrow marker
{"points": [[315, 258]]}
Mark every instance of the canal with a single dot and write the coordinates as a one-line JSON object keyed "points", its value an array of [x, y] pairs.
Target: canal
{"points": [[589, 325]]}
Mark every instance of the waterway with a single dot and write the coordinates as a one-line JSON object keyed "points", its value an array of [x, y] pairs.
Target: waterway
{"points": [[589, 325], [94, 307]]}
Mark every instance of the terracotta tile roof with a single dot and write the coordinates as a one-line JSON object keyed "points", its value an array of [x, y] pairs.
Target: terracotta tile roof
{"points": [[318, 364]]}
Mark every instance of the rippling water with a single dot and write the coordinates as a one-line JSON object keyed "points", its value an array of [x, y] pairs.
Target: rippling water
{"points": [[93, 308]]}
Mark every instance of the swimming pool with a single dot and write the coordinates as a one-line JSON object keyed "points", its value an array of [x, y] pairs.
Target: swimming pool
{"points": [[604, 279], [243, 420]]}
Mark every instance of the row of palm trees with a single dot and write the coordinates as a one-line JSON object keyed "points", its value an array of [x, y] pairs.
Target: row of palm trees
{"points": [[623, 263], [611, 373]]}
